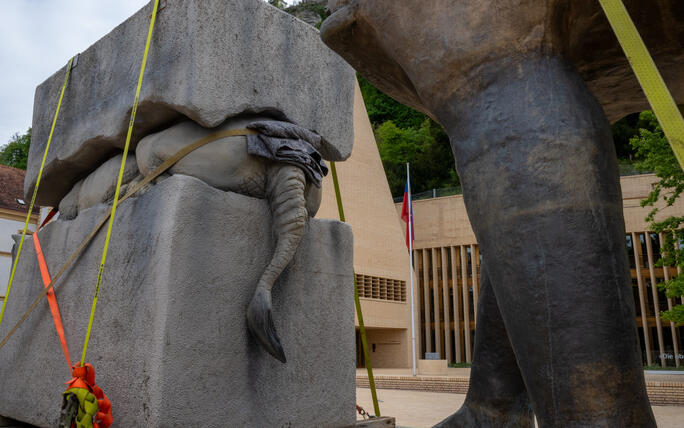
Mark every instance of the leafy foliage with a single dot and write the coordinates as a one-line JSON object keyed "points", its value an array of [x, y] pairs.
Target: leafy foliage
{"points": [[15, 153], [623, 131], [317, 8], [427, 150], [653, 153], [280, 4], [382, 108], [405, 135]]}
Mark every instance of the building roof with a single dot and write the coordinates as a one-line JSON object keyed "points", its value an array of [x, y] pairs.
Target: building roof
{"points": [[12, 188]]}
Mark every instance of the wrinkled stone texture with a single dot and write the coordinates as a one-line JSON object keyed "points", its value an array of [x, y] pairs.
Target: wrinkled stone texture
{"points": [[227, 165], [209, 60], [100, 185], [525, 90], [223, 164], [170, 343]]}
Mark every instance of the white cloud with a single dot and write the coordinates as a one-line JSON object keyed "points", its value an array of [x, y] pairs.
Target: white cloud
{"points": [[37, 37]]}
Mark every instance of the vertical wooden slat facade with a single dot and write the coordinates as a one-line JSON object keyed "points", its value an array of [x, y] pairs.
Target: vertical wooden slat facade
{"points": [[670, 304], [669, 340], [426, 301], [420, 332], [466, 303], [458, 347], [435, 301], [636, 246], [474, 260], [445, 303], [449, 275], [654, 295]]}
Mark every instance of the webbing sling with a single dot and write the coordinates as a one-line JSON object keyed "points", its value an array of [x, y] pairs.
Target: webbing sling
{"points": [[659, 97], [52, 300], [154, 174], [35, 191], [357, 302], [131, 122]]}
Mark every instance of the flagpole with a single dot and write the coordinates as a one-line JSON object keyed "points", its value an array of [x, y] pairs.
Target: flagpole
{"points": [[410, 240]]}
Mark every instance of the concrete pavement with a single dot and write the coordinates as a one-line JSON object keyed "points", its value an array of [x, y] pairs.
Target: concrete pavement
{"points": [[416, 409]]}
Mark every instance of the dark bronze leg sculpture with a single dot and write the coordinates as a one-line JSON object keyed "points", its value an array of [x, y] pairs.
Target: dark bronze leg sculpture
{"points": [[540, 180], [497, 396]]}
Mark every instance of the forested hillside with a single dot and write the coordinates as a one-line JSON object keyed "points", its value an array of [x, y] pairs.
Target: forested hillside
{"points": [[402, 134], [405, 135]]}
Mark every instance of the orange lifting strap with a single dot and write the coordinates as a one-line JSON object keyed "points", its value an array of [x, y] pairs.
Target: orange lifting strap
{"points": [[52, 300]]}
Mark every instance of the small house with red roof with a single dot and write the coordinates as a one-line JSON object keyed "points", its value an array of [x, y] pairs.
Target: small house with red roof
{"points": [[13, 210]]}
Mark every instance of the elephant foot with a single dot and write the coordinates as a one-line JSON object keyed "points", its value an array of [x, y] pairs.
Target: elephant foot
{"points": [[485, 416], [497, 396], [260, 324]]}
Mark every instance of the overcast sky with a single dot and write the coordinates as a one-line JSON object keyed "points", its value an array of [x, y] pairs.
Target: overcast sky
{"points": [[37, 37]]}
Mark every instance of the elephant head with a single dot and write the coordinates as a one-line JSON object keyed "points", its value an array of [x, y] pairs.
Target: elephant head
{"points": [[526, 90]]}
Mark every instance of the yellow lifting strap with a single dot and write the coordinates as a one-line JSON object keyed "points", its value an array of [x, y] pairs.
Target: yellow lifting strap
{"points": [[357, 302], [659, 97], [35, 190], [131, 122], [154, 174]]}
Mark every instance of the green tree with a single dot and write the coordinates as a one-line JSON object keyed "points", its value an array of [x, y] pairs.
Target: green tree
{"points": [[382, 108], [653, 153], [317, 8], [441, 173], [280, 4], [406, 135], [15, 153], [426, 148]]}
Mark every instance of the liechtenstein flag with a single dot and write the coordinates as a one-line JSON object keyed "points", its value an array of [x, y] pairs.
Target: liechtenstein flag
{"points": [[407, 214]]}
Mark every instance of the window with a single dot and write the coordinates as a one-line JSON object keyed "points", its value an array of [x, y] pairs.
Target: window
{"points": [[374, 287]]}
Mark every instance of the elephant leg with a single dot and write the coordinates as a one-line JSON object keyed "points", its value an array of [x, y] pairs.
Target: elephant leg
{"points": [[313, 196], [497, 396], [541, 186], [285, 193]]}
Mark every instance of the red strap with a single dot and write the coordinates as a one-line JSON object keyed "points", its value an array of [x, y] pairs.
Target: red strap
{"points": [[52, 300], [48, 217], [84, 377]]}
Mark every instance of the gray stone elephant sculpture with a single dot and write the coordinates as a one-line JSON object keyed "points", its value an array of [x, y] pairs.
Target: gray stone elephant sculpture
{"points": [[526, 90], [229, 165], [292, 192]]}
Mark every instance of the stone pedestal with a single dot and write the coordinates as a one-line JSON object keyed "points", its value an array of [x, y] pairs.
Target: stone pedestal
{"points": [[433, 367], [170, 342]]}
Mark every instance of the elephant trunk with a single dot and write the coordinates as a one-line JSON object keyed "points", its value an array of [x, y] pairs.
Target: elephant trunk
{"points": [[541, 186], [285, 191]]}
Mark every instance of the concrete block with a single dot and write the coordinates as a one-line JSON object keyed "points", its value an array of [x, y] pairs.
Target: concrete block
{"points": [[9, 423], [386, 422], [170, 342], [433, 367], [209, 60]]}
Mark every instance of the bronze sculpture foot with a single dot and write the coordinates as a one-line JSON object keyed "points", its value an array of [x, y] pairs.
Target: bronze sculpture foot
{"points": [[497, 396]]}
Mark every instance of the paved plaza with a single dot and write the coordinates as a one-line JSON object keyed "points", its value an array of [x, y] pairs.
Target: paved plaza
{"points": [[416, 409]]}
